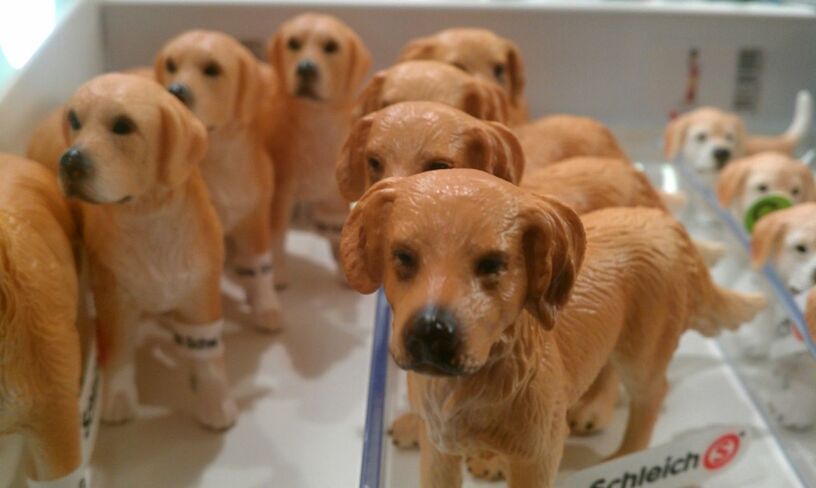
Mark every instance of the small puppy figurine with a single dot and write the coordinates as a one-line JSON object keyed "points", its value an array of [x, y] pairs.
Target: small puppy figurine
{"points": [[477, 270], [40, 357], [320, 63], [556, 138], [481, 53], [708, 138], [745, 181], [434, 81], [411, 137], [221, 82], [153, 239]]}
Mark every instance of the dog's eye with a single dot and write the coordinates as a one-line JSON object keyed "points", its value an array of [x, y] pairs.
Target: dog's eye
{"points": [[491, 265], [122, 126], [375, 165], [762, 188], [212, 70], [461, 66], [701, 137], [406, 263], [293, 44], [330, 47], [795, 192], [73, 120], [801, 248], [498, 72], [170, 65], [729, 137], [434, 165]]}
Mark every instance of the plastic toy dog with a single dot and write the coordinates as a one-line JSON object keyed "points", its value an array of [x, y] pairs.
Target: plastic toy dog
{"points": [[153, 239], [222, 83], [320, 63], [501, 327]]}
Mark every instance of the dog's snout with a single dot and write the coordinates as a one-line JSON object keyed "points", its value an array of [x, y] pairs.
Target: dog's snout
{"points": [[722, 155], [307, 69], [181, 92], [73, 165], [433, 340]]}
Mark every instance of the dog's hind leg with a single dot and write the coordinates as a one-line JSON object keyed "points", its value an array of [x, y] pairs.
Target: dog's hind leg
{"points": [[647, 387], [437, 469], [404, 430], [595, 408]]}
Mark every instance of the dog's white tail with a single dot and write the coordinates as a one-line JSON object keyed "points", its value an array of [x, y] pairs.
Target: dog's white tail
{"points": [[787, 142], [725, 309]]}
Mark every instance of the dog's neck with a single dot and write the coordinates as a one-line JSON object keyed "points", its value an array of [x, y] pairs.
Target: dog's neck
{"points": [[161, 200]]}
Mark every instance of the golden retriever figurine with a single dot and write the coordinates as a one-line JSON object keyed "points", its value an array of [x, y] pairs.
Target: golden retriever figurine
{"points": [[481, 53], [434, 81], [411, 137], [502, 328], [320, 64], [40, 357], [750, 179], [708, 138], [222, 83], [153, 238]]}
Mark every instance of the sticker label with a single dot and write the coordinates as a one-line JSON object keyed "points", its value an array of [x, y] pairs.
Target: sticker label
{"points": [[691, 459]]}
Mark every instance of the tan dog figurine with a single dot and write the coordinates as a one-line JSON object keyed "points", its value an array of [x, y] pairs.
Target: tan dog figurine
{"points": [[222, 83], [40, 360], [434, 81], [152, 236], [481, 53], [411, 137], [747, 180], [320, 64], [501, 326], [708, 138]]}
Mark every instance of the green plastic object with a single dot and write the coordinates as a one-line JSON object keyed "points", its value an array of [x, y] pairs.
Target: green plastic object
{"points": [[763, 207]]}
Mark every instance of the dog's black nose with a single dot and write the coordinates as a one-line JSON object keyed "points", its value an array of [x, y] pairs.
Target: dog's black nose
{"points": [[722, 156], [181, 92], [73, 165], [433, 339], [307, 69]]}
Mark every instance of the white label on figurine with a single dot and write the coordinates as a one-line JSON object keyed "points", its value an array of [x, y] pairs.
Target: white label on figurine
{"points": [[200, 341], [76, 479], [689, 460]]}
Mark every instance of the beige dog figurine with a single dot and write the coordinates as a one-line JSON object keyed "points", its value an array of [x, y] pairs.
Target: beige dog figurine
{"points": [[40, 360], [222, 83], [152, 236], [748, 180], [320, 64], [481, 53], [434, 81], [708, 138], [501, 327]]}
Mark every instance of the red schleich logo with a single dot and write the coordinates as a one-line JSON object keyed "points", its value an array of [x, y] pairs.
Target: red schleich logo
{"points": [[721, 452]]}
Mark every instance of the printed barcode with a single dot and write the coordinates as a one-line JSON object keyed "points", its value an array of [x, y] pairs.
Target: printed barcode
{"points": [[750, 63]]}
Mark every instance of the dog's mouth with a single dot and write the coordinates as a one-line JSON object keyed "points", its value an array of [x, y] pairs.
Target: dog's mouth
{"points": [[76, 191], [433, 369], [307, 90]]}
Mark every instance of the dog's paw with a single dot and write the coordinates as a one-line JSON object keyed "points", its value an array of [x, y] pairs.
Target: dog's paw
{"points": [[217, 413], [119, 404], [485, 466], [588, 418], [404, 431], [269, 320]]}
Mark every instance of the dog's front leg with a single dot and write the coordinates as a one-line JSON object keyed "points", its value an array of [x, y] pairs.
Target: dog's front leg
{"points": [[53, 440], [283, 201], [537, 473], [329, 216], [437, 469]]}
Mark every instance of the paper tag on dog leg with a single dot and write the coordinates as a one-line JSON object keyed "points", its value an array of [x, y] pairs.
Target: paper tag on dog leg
{"points": [[687, 461], [76, 479]]}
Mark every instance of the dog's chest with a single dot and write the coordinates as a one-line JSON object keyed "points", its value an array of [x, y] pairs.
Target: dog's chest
{"points": [[313, 155], [232, 181]]}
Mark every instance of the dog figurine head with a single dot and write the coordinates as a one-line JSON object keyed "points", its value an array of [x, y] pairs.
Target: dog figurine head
{"points": [[479, 52], [434, 81], [127, 136], [412, 137], [787, 240], [214, 75], [460, 253], [707, 138], [318, 58], [747, 180]]}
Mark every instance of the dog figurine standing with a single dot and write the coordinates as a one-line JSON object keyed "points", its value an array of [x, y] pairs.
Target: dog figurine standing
{"points": [[501, 327], [320, 63], [153, 238], [222, 83]]}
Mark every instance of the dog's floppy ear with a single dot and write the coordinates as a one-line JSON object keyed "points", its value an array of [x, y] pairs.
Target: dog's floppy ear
{"points": [[495, 149], [674, 135], [361, 242], [731, 182], [274, 53], [182, 141], [810, 312], [371, 97], [485, 101], [158, 67], [808, 186], [419, 48], [350, 171], [767, 237], [554, 245], [359, 62], [249, 89], [515, 71]]}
